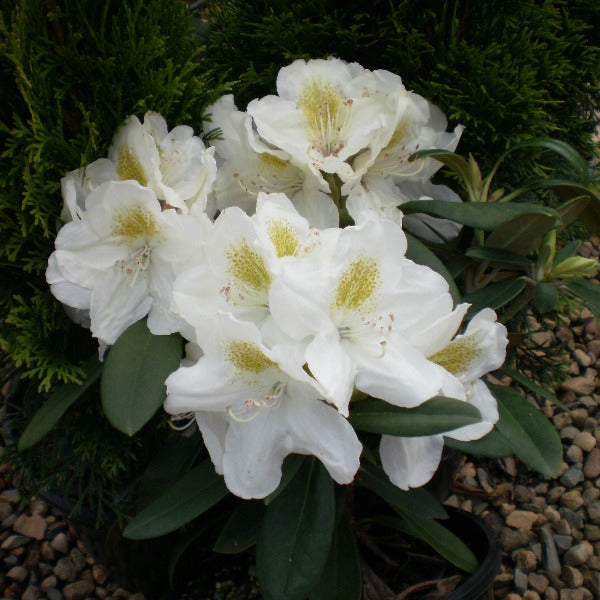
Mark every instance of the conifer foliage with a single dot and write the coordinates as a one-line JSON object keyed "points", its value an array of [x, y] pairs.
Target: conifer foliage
{"points": [[70, 72]]}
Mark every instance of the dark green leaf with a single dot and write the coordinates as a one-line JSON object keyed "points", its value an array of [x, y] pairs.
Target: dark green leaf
{"points": [[184, 500], [571, 209], [494, 295], [291, 464], [545, 297], [533, 386], [590, 217], [133, 381], [455, 162], [418, 252], [341, 577], [57, 404], [183, 542], [241, 529], [417, 501], [522, 234], [175, 457], [440, 539], [493, 445], [295, 537], [587, 292], [533, 438], [437, 415], [481, 215], [497, 255]]}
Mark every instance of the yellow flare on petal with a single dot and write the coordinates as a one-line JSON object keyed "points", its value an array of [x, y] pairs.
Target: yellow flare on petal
{"points": [[247, 357], [248, 266], [134, 223], [269, 160], [129, 167], [284, 238], [458, 355], [358, 284]]}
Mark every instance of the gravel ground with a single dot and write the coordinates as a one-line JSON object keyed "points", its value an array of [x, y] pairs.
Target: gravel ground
{"points": [[549, 530]]}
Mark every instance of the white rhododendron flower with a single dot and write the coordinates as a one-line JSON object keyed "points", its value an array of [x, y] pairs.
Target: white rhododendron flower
{"points": [[249, 166], [327, 111], [175, 165], [120, 258], [411, 462], [350, 301], [255, 405]]}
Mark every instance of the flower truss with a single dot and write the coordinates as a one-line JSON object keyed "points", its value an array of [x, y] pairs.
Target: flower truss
{"points": [[289, 317]]}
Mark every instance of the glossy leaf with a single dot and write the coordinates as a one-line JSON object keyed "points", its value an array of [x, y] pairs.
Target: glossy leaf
{"points": [[435, 416], [417, 501], [494, 295], [481, 215], [295, 537], [418, 252], [57, 404], [498, 255], [533, 438], [522, 234], [533, 386], [453, 161], [133, 381], [440, 539], [570, 210], [492, 445], [587, 292], [241, 529], [187, 498], [341, 578], [291, 465], [568, 250], [545, 297]]}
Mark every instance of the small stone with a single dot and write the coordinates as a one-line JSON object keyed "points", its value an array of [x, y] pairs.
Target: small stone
{"points": [[18, 573], [582, 357], [591, 580], [552, 515], [591, 467], [78, 590], [5, 510], [562, 420], [9, 521], [49, 582], [46, 552], [100, 574], [550, 594], [578, 554], [585, 440], [525, 560], [578, 385], [101, 593], [512, 596], [568, 433], [531, 595], [511, 539], [572, 577], [572, 499], [521, 519], [33, 527], [591, 494], [15, 541], [38, 507], [54, 594], [555, 494], [520, 581], [563, 542], [60, 543], [591, 532], [594, 562], [550, 554], [537, 582], [78, 559], [574, 454], [31, 593], [65, 570], [574, 519], [12, 496], [572, 477], [593, 511]]}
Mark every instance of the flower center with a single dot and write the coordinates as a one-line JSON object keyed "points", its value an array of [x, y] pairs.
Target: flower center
{"points": [[129, 167], [135, 223], [327, 114]]}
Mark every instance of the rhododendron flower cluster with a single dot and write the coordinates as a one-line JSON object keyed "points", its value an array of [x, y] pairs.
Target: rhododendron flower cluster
{"points": [[287, 315]]}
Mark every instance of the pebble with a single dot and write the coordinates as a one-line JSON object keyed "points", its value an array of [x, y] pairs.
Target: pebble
{"points": [[60, 543], [522, 519], [593, 512], [78, 590], [18, 573], [537, 582], [572, 577], [585, 440], [563, 542], [65, 569], [31, 593], [591, 467], [572, 499], [550, 554], [511, 539], [574, 454], [33, 527], [578, 554]]}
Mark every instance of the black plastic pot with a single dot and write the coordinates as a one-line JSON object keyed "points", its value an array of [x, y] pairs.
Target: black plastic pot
{"points": [[482, 540]]}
